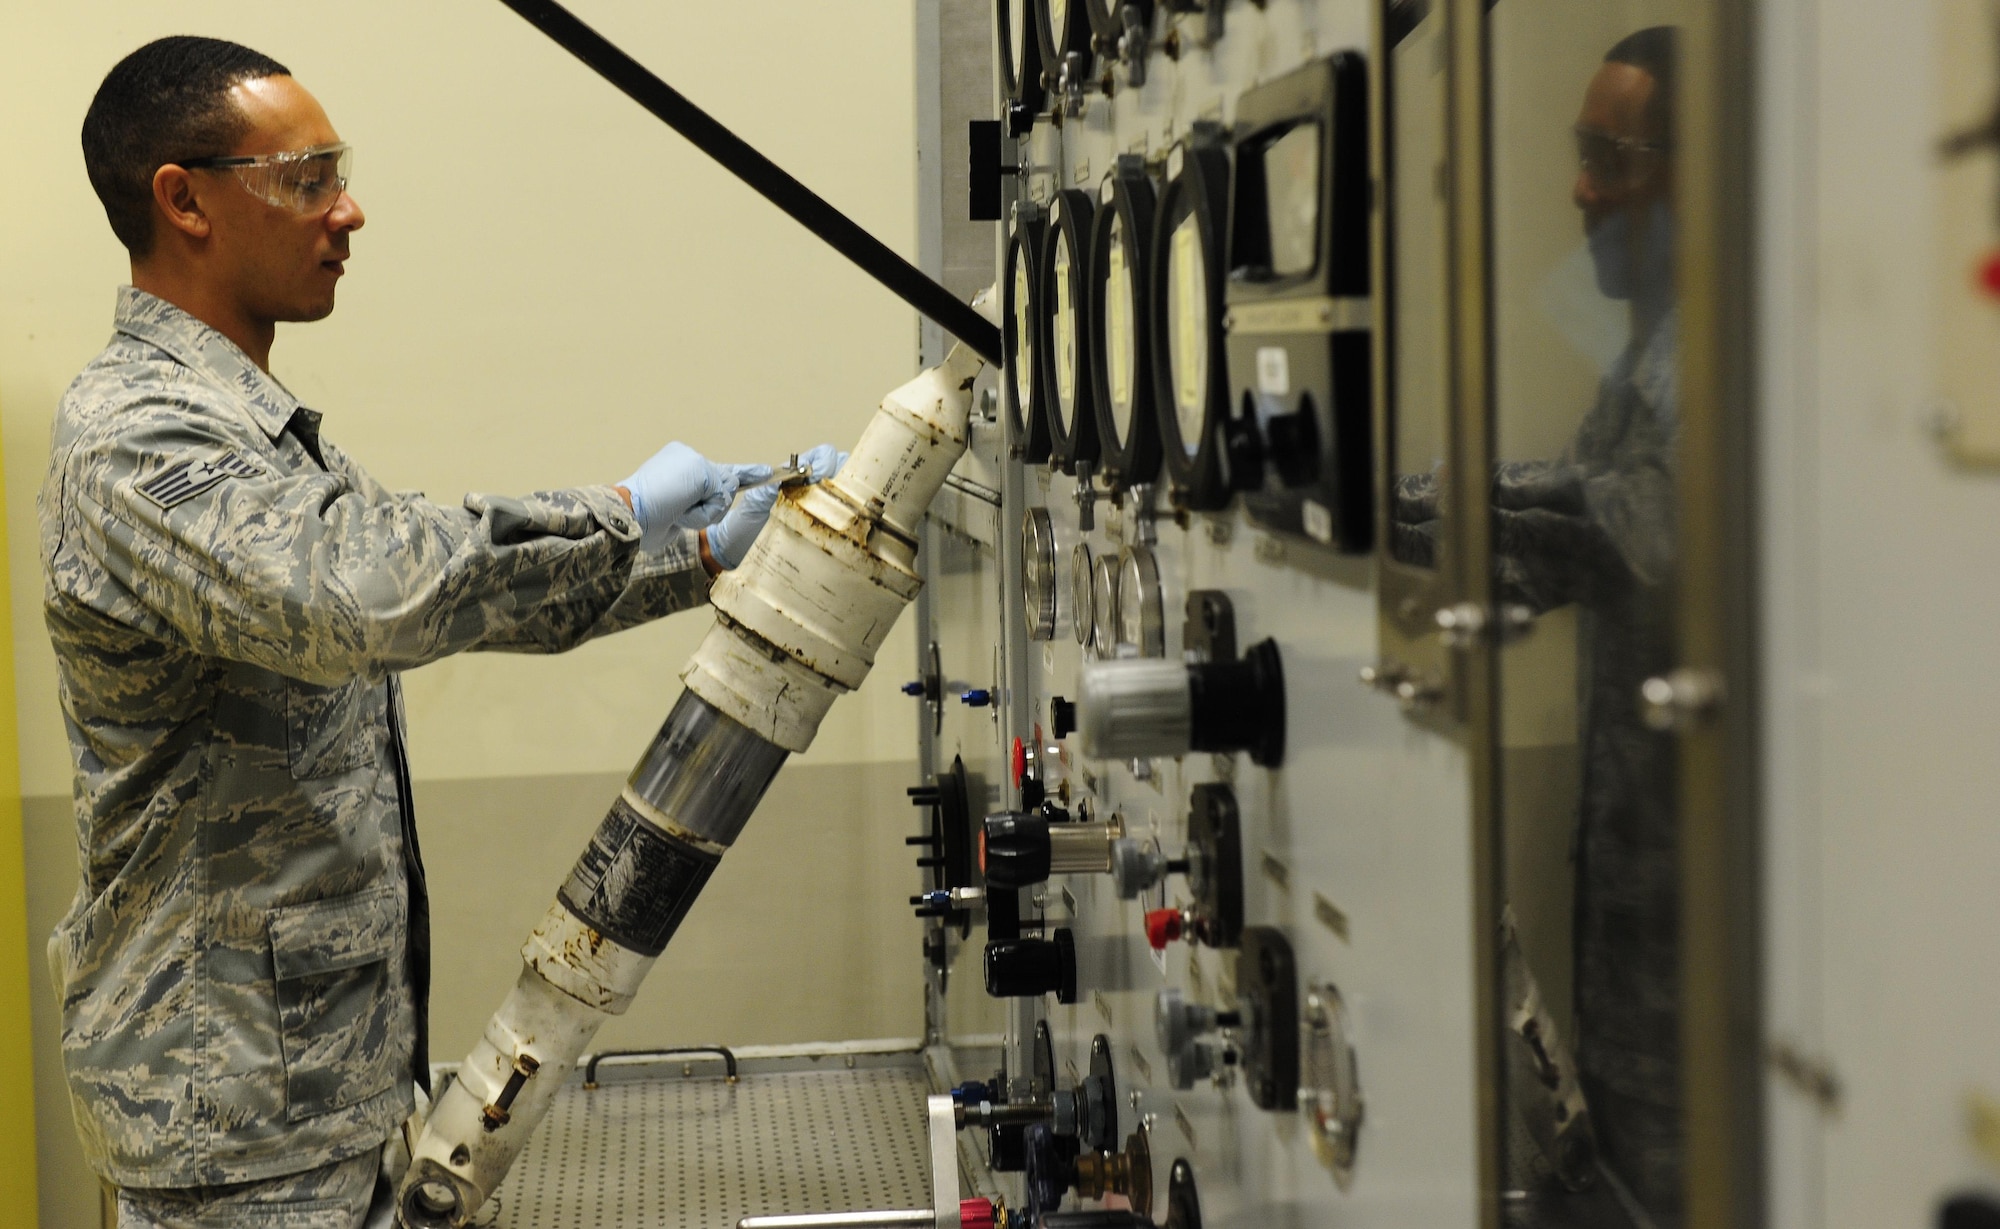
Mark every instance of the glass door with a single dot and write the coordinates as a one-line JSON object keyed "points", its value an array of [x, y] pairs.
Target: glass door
{"points": [[1585, 198]]}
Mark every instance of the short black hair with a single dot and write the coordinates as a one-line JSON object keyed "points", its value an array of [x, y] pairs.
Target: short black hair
{"points": [[1657, 50], [166, 101]]}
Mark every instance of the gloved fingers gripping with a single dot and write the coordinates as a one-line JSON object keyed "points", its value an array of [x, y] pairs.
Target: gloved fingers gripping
{"points": [[822, 461], [743, 475], [711, 509]]}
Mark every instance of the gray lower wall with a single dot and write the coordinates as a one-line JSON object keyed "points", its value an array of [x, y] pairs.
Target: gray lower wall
{"points": [[802, 935]]}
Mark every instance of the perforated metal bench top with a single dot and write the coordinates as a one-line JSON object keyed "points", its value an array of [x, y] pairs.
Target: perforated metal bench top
{"points": [[664, 1152]]}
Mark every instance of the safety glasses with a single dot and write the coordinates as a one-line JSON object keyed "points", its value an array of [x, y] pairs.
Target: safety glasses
{"points": [[305, 181], [1614, 161]]}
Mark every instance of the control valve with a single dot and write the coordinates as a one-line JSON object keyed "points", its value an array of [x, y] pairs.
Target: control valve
{"points": [[1028, 968], [1139, 708]]}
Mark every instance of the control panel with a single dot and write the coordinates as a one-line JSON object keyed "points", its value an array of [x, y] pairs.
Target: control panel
{"points": [[1198, 907]]}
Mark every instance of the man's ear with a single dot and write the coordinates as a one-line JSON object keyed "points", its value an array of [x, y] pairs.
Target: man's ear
{"points": [[174, 194]]}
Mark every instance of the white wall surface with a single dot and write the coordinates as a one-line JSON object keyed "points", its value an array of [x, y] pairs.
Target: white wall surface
{"points": [[1881, 570]]}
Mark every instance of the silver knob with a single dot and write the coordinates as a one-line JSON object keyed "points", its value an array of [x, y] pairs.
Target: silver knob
{"points": [[1178, 1026], [1680, 699], [1134, 708], [1136, 866], [1460, 626]]}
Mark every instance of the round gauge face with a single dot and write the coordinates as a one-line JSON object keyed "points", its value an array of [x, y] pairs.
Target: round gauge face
{"points": [[1016, 17], [1024, 334], [1067, 324], [1104, 607], [1120, 342], [1058, 11], [1187, 330], [1038, 573], [1141, 621], [1081, 592]]}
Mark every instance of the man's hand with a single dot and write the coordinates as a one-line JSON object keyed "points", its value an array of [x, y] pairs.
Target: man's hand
{"points": [[730, 541], [678, 488]]}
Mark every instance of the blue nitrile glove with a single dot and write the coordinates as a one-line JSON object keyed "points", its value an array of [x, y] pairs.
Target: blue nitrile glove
{"points": [[678, 488], [730, 540]]}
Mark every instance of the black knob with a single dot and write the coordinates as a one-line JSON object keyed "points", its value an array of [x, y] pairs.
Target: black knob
{"points": [[1032, 793], [1062, 717], [1027, 968], [1015, 850], [1240, 705], [1969, 1212]]}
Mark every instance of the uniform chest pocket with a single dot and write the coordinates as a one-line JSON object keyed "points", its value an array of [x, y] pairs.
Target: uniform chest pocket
{"points": [[329, 730], [344, 1023]]}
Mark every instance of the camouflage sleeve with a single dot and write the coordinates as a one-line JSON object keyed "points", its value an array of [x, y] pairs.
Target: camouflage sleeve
{"points": [[314, 575], [655, 585]]}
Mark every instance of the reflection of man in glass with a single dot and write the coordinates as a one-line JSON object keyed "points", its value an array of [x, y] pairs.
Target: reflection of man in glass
{"points": [[1596, 528]]}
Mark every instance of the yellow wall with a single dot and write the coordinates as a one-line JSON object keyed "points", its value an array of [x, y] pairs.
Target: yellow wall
{"points": [[17, 1130], [550, 285]]}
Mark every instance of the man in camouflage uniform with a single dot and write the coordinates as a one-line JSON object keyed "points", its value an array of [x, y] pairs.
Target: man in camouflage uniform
{"points": [[243, 976], [1596, 528]]}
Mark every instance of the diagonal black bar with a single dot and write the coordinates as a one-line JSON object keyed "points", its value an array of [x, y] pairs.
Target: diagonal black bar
{"points": [[767, 177]]}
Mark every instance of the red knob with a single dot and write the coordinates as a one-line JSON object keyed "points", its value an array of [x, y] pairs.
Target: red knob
{"points": [[1020, 762], [1163, 926], [975, 1213], [1988, 274]]}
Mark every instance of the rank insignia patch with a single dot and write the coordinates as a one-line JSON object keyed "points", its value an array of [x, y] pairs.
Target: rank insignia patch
{"points": [[183, 480]]}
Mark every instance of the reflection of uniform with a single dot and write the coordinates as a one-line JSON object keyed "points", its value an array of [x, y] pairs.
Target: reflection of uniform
{"points": [[1596, 528], [244, 971]]}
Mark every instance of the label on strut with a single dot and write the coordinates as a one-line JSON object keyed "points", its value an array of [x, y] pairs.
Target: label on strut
{"points": [[634, 883]]}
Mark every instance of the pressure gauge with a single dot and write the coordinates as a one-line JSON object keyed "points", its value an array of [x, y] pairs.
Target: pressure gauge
{"points": [[1142, 627], [1066, 358], [1020, 57], [1104, 606], [1082, 593], [1020, 330], [1120, 345], [1038, 573], [1064, 27], [1299, 315], [1190, 384]]}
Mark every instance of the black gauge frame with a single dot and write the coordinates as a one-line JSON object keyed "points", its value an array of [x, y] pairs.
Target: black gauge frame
{"points": [[1057, 44], [1027, 428], [1021, 84], [1071, 218], [1202, 477], [1127, 197], [1317, 429]]}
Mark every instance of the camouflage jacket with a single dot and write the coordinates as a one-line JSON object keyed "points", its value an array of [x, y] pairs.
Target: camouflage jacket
{"points": [[230, 599]]}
